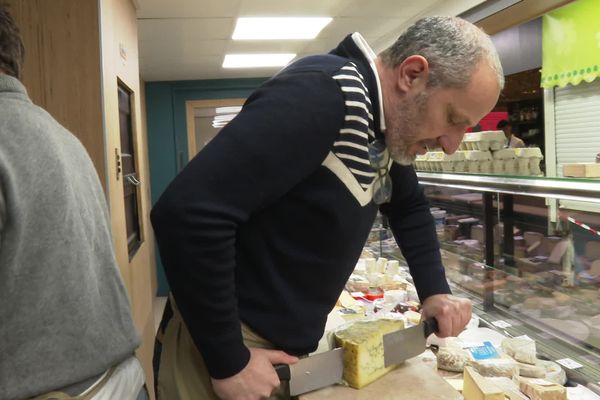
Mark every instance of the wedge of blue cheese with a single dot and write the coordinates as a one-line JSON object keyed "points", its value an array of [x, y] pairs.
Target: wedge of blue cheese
{"points": [[363, 350]]}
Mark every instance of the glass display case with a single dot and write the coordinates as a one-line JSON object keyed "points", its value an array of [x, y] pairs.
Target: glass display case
{"points": [[526, 251]]}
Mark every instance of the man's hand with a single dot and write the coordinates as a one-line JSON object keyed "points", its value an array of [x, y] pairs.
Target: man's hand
{"points": [[452, 313], [257, 380]]}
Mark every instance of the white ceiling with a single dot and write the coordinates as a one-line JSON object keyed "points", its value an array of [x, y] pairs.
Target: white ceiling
{"points": [[187, 39]]}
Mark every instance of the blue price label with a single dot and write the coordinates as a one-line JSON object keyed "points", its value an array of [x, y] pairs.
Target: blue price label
{"points": [[484, 352]]}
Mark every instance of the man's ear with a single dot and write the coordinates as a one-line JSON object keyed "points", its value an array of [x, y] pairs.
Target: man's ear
{"points": [[412, 74]]}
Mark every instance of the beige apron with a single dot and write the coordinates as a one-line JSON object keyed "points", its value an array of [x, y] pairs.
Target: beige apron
{"points": [[183, 374], [88, 396]]}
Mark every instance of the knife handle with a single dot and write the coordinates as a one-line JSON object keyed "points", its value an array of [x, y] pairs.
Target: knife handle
{"points": [[430, 326], [283, 372]]}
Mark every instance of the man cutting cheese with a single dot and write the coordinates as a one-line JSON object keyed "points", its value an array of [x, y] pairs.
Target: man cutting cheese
{"points": [[260, 231]]}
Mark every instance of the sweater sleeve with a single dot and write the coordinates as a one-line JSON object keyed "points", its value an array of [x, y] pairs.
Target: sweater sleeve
{"points": [[2, 214], [414, 231], [282, 134]]}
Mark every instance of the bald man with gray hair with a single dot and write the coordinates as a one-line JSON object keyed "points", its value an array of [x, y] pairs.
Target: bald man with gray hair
{"points": [[261, 230]]}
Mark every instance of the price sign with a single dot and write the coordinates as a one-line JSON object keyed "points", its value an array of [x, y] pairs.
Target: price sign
{"points": [[568, 363], [501, 324]]}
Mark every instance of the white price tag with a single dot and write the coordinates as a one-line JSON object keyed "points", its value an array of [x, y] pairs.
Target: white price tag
{"points": [[524, 337], [468, 345], [568, 363], [501, 324], [541, 382]]}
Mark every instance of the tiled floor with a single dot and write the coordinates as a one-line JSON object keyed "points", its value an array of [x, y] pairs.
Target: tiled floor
{"points": [[159, 306]]}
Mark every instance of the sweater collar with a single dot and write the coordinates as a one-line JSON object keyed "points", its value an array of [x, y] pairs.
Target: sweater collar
{"points": [[370, 55], [358, 50], [11, 84]]}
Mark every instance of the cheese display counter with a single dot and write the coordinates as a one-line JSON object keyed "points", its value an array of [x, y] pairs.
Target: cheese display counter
{"points": [[527, 252]]}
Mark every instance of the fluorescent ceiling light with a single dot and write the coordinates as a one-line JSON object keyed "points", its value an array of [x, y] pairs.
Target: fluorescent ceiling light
{"points": [[228, 109], [279, 28], [256, 60], [220, 121], [224, 115]]}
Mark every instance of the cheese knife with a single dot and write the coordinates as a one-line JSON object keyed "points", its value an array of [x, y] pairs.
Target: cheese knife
{"points": [[313, 372], [406, 343]]}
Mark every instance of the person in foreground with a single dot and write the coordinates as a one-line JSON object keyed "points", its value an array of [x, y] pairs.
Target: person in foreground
{"points": [[261, 230], [65, 324]]}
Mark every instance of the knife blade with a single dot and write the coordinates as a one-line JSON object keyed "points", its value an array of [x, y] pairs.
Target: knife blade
{"points": [[401, 345], [313, 372]]}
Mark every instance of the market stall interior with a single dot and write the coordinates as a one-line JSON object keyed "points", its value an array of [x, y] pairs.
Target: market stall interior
{"points": [[519, 228]]}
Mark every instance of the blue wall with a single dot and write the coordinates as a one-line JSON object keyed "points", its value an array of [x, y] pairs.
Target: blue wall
{"points": [[167, 131]]}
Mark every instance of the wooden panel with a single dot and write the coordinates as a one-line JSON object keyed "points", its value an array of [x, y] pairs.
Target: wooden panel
{"points": [[411, 380], [518, 13], [147, 196], [61, 70], [120, 63]]}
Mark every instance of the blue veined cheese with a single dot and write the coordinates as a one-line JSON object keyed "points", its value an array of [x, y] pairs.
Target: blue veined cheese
{"points": [[363, 350]]}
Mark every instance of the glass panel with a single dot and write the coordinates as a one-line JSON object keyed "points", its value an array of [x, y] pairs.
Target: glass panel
{"points": [[540, 278], [130, 182], [459, 220], [554, 269], [545, 278]]}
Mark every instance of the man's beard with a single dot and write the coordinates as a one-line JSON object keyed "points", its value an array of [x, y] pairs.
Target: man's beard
{"points": [[401, 133]]}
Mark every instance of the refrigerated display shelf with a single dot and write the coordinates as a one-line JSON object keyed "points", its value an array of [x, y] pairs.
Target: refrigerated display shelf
{"points": [[551, 344]]}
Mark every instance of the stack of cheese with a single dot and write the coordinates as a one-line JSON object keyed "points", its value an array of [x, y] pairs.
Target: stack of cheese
{"points": [[524, 161], [528, 160], [421, 163], [483, 153], [505, 162], [483, 141], [478, 387], [513, 374], [438, 161], [478, 161]]}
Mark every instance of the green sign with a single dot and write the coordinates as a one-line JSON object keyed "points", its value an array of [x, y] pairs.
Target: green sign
{"points": [[571, 44]]}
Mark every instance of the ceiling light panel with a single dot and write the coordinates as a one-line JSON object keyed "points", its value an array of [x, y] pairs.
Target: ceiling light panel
{"points": [[257, 60], [275, 28]]}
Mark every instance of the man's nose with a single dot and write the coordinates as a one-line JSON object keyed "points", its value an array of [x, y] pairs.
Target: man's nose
{"points": [[451, 141]]}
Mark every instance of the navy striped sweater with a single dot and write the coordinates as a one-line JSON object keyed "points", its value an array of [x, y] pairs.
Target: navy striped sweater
{"points": [[267, 222]]}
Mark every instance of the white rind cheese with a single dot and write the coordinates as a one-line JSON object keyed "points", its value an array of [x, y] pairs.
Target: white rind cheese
{"points": [[531, 371], [452, 358], [521, 349], [540, 389], [495, 367]]}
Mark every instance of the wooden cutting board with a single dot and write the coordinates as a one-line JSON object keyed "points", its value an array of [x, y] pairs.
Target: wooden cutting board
{"points": [[412, 380]]}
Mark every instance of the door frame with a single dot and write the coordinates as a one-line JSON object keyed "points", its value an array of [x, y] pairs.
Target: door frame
{"points": [[190, 105]]}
